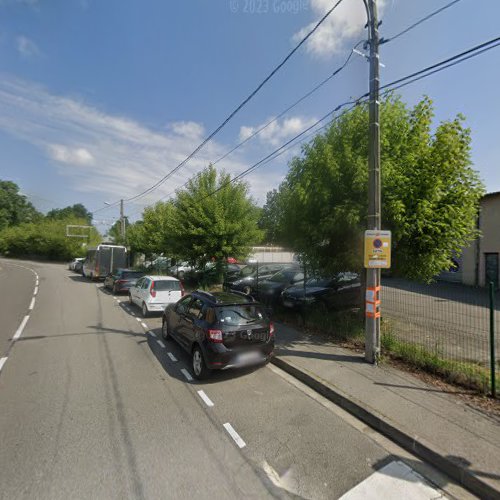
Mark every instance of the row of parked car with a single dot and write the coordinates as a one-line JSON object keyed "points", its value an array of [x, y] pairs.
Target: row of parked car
{"points": [[218, 330], [232, 328]]}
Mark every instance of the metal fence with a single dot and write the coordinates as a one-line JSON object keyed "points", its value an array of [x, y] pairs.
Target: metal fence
{"points": [[445, 325]]}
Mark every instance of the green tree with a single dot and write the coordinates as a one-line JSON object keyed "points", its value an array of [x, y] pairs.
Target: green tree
{"points": [[430, 193], [116, 233], [76, 211], [14, 207], [45, 239], [214, 218], [269, 220]]}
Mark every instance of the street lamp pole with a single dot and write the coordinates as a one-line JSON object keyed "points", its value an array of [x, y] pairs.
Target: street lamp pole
{"points": [[372, 324]]}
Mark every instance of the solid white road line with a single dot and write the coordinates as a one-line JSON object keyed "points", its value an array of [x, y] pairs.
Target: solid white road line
{"points": [[234, 435], [161, 344], [153, 334], [144, 325], [205, 398], [35, 291], [2, 362], [21, 328], [172, 357], [32, 304], [186, 374]]}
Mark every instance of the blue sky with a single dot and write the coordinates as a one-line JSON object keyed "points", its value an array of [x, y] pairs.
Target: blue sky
{"points": [[99, 99]]}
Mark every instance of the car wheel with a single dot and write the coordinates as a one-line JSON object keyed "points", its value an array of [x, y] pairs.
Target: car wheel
{"points": [[145, 311], [247, 289], [199, 366], [164, 330]]}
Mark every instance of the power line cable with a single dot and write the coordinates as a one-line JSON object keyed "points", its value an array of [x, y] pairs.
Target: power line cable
{"points": [[401, 82], [241, 105], [308, 94], [419, 22], [390, 87]]}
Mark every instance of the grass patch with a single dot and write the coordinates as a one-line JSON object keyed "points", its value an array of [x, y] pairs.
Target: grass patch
{"points": [[463, 373]]}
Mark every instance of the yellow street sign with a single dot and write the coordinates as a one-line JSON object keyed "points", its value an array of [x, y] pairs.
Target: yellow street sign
{"points": [[378, 249]]}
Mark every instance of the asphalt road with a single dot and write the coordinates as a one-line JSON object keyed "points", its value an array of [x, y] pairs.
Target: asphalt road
{"points": [[94, 406]]}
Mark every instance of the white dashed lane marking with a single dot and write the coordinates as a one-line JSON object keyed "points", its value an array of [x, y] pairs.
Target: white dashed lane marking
{"points": [[2, 362], [234, 435], [205, 398], [186, 374], [32, 304], [144, 325], [21, 328], [35, 291], [172, 357], [138, 319], [161, 344], [153, 334]]}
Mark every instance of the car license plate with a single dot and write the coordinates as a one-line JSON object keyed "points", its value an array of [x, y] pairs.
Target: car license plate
{"points": [[249, 357]]}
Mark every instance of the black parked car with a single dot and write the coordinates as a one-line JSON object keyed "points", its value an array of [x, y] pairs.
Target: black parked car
{"points": [[344, 290], [220, 330], [269, 291], [246, 281], [122, 280]]}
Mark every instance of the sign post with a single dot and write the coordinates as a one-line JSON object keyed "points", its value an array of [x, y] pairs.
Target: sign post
{"points": [[377, 255]]}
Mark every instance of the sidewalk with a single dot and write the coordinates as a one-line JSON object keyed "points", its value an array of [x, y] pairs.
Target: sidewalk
{"points": [[441, 429]]}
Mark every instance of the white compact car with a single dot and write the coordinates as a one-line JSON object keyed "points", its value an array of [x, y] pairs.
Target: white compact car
{"points": [[154, 293]]}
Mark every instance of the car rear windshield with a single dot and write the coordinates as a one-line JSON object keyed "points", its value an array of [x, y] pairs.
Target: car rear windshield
{"points": [[239, 315], [132, 274], [165, 285]]}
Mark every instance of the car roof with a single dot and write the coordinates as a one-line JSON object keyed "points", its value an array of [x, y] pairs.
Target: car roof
{"points": [[160, 278], [224, 298]]}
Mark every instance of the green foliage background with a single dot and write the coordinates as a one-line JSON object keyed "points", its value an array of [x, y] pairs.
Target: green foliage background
{"points": [[430, 192]]}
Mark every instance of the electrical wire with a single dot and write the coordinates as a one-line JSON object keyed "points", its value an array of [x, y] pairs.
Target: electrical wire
{"points": [[419, 22], [305, 96], [240, 106], [396, 84]]}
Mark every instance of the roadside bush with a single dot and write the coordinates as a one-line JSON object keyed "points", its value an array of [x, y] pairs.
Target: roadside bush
{"points": [[46, 239]]}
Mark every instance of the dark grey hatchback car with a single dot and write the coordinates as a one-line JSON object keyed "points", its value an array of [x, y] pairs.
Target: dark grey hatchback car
{"points": [[220, 330]]}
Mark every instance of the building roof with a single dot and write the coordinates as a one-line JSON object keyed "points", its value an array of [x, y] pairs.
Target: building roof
{"points": [[488, 195]]}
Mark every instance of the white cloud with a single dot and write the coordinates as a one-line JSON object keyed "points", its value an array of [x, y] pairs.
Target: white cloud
{"points": [[112, 155], [278, 131], [344, 23], [191, 130], [26, 47], [72, 156]]}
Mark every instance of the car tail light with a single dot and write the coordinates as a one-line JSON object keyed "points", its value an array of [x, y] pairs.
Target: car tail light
{"points": [[215, 336], [183, 292], [121, 281], [152, 290], [271, 329]]}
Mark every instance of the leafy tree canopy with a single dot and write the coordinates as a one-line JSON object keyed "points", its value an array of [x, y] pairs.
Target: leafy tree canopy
{"points": [[430, 192], [45, 239], [76, 211], [214, 218], [14, 207]]}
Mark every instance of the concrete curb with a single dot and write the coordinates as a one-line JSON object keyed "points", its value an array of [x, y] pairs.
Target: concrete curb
{"points": [[413, 444]]}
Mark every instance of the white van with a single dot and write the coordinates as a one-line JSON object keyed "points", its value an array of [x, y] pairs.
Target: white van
{"points": [[154, 293]]}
